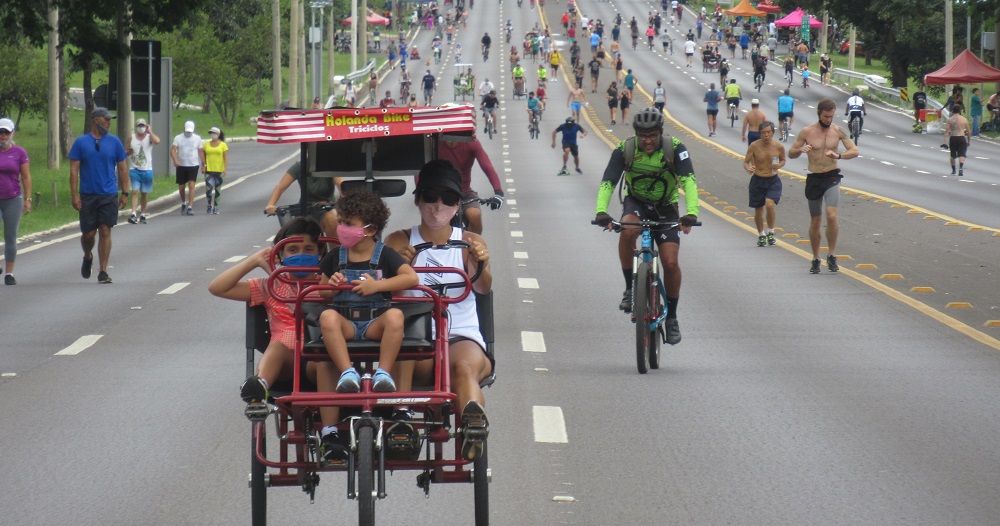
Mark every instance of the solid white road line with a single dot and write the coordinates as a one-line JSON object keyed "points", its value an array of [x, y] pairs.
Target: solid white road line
{"points": [[550, 426], [532, 341], [80, 345], [173, 288]]}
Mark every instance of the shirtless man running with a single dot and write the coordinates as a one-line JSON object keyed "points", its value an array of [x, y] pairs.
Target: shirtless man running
{"points": [[763, 160], [957, 135], [575, 101], [819, 142], [752, 122]]}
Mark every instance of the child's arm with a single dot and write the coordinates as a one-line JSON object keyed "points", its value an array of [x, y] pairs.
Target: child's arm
{"points": [[230, 283], [405, 278]]}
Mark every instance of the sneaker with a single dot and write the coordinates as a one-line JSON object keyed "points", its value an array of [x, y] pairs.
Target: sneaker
{"points": [[761, 241], [402, 439], [134, 218], [142, 220], [770, 239], [103, 277], [215, 210], [673, 331], [952, 170], [831, 263], [350, 381], [88, 265], [579, 171], [626, 304], [961, 172], [382, 382], [184, 209], [476, 428], [331, 450], [253, 390], [190, 210], [9, 280], [208, 210], [814, 269]]}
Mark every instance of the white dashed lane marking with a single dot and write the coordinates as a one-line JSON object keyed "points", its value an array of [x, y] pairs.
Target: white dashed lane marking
{"points": [[80, 345], [550, 426], [234, 259], [527, 283], [176, 287], [532, 341], [520, 255]]}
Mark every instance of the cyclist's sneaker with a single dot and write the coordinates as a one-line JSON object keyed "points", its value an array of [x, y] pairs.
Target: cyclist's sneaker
{"points": [[134, 218], [382, 382], [253, 390], [626, 304], [673, 331], [761, 241], [350, 381], [103, 277], [142, 220], [402, 439], [831, 263], [475, 428], [770, 239], [331, 450], [814, 269], [87, 267]]}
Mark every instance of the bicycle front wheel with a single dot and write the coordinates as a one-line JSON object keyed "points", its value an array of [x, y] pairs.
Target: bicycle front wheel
{"points": [[366, 476], [642, 290]]}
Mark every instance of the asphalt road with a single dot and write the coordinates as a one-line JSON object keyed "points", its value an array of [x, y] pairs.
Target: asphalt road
{"points": [[792, 399]]}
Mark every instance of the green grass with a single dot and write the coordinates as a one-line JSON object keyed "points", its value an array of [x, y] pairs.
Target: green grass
{"points": [[52, 206]]}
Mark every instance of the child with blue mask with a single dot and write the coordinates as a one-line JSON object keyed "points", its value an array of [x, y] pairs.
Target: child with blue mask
{"points": [[277, 362]]}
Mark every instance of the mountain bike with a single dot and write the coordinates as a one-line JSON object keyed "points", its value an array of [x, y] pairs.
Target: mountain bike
{"points": [[783, 130], [649, 297], [854, 125], [732, 115]]}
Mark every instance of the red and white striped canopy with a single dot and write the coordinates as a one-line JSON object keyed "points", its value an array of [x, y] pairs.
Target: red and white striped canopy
{"points": [[291, 126]]}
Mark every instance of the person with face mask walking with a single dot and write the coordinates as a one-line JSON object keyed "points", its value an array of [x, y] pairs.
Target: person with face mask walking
{"points": [[214, 161], [140, 160], [97, 171], [184, 153], [15, 201]]}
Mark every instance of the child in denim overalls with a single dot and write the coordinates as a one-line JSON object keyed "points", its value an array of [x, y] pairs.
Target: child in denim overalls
{"points": [[363, 312]]}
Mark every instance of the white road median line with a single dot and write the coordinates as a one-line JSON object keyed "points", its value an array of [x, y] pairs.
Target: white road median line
{"points": [[532, 341], [80, 345], [527, 283], [550, 426], [520, 255], [173, 288]]}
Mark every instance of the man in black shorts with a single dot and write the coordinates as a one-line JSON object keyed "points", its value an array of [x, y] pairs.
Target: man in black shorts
{"points": [[957, 135], [187, 162], [97, 170], [569, 130]]}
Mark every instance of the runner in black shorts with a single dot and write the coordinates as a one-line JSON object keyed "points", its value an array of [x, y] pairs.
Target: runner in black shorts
{"points": [[958, 146]]}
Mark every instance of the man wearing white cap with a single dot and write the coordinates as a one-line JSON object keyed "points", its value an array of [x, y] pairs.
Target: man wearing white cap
{"points": [[187, 161], [95, 160], [140, 170]]}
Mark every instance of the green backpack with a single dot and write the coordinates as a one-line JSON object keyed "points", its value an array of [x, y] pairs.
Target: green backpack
{"points": [[666, 144]]}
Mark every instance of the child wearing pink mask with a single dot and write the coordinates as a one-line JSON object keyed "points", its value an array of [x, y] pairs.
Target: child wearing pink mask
{"points": [[375, 271]]}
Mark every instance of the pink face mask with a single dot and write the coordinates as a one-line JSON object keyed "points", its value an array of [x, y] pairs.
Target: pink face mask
{"points": [[437, 215], [350, 235]]}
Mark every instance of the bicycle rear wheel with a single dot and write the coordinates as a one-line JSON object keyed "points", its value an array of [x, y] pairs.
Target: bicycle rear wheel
{"points": [[732, 116], [640, 309]]}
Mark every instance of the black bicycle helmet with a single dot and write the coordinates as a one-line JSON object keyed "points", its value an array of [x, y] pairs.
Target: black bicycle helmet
{"points": [[648, 119], [857, 91], [570, 120]]}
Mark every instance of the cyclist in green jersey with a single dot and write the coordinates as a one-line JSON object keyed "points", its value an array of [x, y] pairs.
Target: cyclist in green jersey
{"points": [[651, 182]]}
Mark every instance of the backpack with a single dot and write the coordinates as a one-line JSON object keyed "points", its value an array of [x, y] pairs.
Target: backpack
{"points": [[666, 145]]}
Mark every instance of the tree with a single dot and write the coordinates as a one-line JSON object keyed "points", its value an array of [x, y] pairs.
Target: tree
{"points": [[22, 80]]}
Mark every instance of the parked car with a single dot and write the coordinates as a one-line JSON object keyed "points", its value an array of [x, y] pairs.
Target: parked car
{"points": [[859, 47]]}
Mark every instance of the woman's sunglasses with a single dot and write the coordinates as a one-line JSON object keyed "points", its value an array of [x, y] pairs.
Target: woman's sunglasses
{"points": [[447, 197]]}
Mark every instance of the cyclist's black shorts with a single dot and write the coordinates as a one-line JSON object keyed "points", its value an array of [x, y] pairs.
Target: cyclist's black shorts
{"points": [[733, 100], [782, 115], [668, 212]]}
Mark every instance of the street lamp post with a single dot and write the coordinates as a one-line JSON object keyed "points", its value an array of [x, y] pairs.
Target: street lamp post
{"points": [[316, 44]]}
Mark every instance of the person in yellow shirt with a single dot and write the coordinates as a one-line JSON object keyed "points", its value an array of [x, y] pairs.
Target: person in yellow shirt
{"points": [[554, 59], [214, 160]]}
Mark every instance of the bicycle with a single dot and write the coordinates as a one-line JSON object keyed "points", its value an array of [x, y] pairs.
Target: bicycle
{"points": [[460, 221], [784, 130], [404, 92], [488, 118], [788, 79], [635, 42], [732, 115], [854, 125], [651, 44], [649, 297], [758, 81], [533, 130], [486, 54]]}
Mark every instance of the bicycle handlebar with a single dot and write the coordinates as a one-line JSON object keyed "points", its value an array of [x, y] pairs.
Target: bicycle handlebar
{"points": [[645, 223]]}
